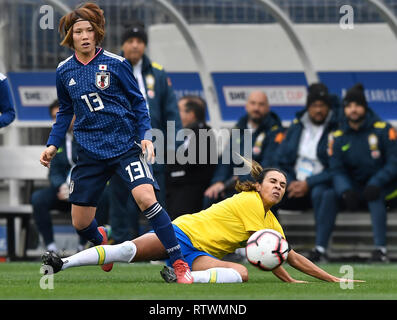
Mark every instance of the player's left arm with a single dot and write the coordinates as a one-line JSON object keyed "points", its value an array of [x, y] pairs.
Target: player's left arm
{"points": [[280, 272], [284, 276]]}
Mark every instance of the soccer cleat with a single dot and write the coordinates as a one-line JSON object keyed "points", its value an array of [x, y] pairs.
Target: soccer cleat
{"points": [[182, 272], [316, 256], [104, 232], [168, 274], [379, 256], [50, 258]]}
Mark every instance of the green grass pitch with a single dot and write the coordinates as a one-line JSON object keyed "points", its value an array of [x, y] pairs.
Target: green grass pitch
{"points": [[142, 281]]}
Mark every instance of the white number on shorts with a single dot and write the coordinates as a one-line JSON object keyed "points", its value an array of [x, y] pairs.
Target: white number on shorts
{"points": [[135, 167], [97, 100]]}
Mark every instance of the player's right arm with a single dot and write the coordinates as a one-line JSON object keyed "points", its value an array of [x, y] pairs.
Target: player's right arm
{"points": [[304, 265], [47, 155], [60, 127]]}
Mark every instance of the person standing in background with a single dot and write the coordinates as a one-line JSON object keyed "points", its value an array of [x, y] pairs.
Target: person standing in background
{"points": [[187, 182], [156, 88]]}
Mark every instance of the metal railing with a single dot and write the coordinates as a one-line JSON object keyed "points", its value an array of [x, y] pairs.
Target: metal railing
{"points": [[28, 47]]}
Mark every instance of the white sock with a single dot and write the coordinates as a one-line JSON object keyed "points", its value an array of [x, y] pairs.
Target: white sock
{"points": [[123, 252], [382, 249], [216, 275], [52, 247], [320, 249]]}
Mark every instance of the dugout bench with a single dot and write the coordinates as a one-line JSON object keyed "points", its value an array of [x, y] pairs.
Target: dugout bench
{"points": [[19, 165], [11, 213], [352, 238]]}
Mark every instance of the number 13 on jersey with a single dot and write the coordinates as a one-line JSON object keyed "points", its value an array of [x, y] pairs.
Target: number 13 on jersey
{"points": [[138, 169], [97, 101]]}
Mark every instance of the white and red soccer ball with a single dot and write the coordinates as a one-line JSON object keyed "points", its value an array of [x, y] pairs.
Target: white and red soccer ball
{"points": [[266, 249]]}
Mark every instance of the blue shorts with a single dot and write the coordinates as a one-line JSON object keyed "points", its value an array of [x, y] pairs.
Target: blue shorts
{"points": [[89, 176], [189, 252]]}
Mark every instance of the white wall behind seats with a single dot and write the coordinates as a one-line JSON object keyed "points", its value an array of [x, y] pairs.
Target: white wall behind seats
{"points": [[250, 48]]}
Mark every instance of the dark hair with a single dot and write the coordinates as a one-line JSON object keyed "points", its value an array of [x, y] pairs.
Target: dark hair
{"points": [[135, 29], [257, 173], [197, 105], [318, 91], [356, 94], [90, 12], [53, 105]]}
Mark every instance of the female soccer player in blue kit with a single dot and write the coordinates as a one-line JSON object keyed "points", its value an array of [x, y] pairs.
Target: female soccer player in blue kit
{"points": [[112, 128]]}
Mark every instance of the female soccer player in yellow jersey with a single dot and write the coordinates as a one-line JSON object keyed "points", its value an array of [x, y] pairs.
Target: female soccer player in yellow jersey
{"points": [[207, 236]]}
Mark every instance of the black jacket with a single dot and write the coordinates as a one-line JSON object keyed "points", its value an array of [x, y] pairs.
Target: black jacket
{"points": [[199, 151]]}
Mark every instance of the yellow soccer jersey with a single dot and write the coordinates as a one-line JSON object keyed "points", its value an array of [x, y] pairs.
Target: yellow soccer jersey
{"points": [[227, 225]]}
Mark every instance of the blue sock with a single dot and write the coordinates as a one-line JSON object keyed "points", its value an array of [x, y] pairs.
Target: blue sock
{"points": [[91, 233], [162, 226]]}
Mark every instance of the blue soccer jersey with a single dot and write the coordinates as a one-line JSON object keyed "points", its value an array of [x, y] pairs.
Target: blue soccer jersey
{"points": [[111, 113], [7, 113]]}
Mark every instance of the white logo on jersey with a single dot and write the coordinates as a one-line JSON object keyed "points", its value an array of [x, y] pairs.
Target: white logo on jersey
{"points": [[103, 67], [102, 80], [72, 82], [71, 187]]}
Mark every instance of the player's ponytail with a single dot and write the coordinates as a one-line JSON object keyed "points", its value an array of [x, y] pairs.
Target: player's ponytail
{"points": [[257, 173]]}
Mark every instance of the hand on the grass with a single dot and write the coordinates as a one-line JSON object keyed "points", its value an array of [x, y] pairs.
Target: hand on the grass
{"points": [[347, 280], [299, 281]]}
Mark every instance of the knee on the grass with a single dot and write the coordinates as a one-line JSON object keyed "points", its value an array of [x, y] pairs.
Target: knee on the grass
{"points": [[127, 250], [243, 271]]}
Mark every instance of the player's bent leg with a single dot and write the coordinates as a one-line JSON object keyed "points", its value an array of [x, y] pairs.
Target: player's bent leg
{"points": [[149, 248], [162, 226], [144, 248], [209, 269]]}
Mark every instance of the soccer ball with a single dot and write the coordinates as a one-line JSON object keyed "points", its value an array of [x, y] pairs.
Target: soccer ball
{"points": [[267, 249]]}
